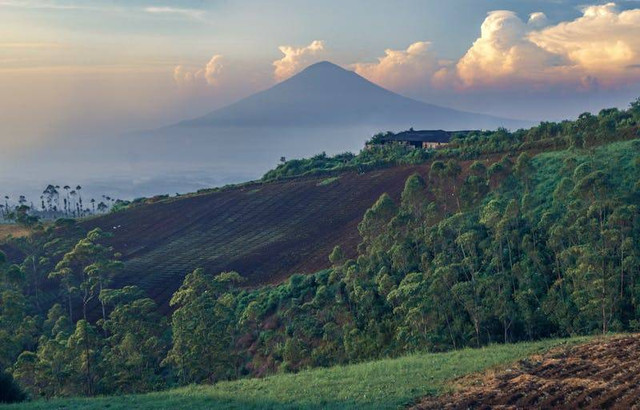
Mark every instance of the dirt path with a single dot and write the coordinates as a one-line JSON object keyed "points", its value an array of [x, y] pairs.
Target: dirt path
{"points": [[603, 374]]}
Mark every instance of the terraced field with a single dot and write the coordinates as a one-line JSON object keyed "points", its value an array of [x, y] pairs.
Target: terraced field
{"points": [[266, 232]]}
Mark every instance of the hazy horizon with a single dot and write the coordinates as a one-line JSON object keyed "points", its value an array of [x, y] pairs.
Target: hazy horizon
{"points": [[71, 93]]}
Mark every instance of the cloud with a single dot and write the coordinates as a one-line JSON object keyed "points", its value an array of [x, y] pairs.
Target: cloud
{"points": [[537, 19], [191, 13], [295, 59], [501, 56], [602, 43], [401, 69], [595, 50], [209, 74]]}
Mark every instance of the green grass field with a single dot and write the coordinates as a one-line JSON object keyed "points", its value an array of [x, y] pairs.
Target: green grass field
{"points": [[382, 384]]}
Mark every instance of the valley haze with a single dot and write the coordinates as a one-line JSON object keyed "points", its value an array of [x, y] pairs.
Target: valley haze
{"points": [[324, 108]]}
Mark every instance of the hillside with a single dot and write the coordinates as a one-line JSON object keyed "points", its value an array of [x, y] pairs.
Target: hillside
{"points": [[252, 229], [383, 384], [255, 230], [500, 236]]}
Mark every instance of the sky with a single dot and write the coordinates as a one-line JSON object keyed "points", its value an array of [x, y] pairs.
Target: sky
{"points": [[71, 70]]}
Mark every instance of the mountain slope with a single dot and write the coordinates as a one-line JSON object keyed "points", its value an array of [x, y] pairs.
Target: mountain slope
{"points": [[265, 232], [324, 94]]}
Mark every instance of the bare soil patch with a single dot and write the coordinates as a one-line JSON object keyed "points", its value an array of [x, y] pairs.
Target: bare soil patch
{"points": [[603, 374]]}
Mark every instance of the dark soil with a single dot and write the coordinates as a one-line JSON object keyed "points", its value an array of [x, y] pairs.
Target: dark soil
{"points": [[603, 374], [264, 232]]}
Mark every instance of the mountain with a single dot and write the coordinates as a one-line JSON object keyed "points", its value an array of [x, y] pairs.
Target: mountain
{"points": [[324, 108], [325, 94]]}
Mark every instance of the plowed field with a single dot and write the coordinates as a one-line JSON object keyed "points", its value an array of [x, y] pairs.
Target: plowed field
{"points": [[603, 374], [265, 232]]}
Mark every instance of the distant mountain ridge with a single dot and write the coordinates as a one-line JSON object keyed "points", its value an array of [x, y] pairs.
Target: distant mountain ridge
{"points": [[325, 94]]}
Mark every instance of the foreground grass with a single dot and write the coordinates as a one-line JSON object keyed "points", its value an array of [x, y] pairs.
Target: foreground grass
{"points": [[388, 383]]}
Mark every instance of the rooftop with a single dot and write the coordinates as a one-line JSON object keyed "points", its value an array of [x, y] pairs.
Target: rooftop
{"points": [[440, 136]]}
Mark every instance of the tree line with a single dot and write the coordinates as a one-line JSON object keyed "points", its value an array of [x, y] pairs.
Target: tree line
{"points": [[55, 202]]}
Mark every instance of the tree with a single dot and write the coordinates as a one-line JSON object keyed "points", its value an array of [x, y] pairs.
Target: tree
{"points": [[203, 327], [136, 345], [524, 169], [18, 330], [377, 217], [83, 347], [51, 195], [79, 206], [87, 269], [102, 207], [414, 195], [337, 255], [48, 372]]}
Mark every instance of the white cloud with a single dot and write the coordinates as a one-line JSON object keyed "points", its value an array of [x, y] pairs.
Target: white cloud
{"points": [[500, 56], [603, 43], [295, 59], [191, 13], [401, 69], [209, 74], [598, 49], [213, 69]]}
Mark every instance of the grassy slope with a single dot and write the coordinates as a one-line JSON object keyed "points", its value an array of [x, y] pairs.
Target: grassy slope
{"points": [[388, 383], [616, 159]]}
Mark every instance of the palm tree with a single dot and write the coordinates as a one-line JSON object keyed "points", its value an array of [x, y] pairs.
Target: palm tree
{"points": [[93, 205]]}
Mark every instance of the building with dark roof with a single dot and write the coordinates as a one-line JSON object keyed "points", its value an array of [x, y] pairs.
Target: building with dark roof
{"points": [[421, 138]]}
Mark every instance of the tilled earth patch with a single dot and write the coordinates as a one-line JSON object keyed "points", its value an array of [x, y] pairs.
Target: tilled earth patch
{"points": [[603, 374]]}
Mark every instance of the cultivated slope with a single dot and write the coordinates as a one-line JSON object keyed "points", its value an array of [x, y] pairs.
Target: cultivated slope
{"points": [[324, 95], [265, 232]]}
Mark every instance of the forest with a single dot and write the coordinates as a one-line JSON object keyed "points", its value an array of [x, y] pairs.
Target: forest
{"points": [[505, 236]]}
